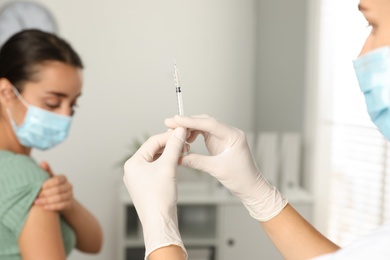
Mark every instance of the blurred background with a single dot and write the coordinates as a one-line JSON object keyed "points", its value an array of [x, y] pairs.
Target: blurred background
{"points": [[260, 65]]}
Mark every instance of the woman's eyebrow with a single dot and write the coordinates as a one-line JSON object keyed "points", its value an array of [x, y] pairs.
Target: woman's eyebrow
{"points": [[60, 94]]}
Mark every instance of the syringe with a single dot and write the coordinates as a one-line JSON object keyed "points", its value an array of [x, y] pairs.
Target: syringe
{"points": [[178, 89]]}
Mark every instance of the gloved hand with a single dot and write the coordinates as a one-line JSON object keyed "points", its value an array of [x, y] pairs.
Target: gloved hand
{"points": [[231, 162], [150, 178]]}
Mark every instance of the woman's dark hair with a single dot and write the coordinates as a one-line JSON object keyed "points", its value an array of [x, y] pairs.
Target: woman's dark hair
{"points": [[21, 53]]}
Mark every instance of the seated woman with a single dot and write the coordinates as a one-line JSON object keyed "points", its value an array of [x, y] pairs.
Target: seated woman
{"points": [[40, 81]]}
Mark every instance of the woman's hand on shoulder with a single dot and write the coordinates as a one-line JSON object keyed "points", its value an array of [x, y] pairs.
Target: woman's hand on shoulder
{"points": [[56, 193]]}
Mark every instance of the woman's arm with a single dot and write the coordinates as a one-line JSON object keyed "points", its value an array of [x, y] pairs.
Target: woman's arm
{"points": [[88, 231], [57, 195], [294, 237], [41, 236], [168, 253]]}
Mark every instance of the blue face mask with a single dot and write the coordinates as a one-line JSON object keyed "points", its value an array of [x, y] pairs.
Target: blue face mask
{"points": [[373, 73], [40, 129]]}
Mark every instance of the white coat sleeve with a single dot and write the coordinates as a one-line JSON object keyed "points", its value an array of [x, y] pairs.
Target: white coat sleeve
{"points": [[373, 246]]}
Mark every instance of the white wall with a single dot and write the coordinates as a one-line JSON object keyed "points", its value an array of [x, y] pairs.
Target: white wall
{"points": [[128, 48], [282, 48]]}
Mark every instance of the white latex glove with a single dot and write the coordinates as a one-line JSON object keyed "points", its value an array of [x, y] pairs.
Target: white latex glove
{"points": [[231, 162], [150, 178]]}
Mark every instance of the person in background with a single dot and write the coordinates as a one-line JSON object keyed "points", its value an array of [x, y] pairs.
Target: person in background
{"points": [[40, 82], [150, 175]]}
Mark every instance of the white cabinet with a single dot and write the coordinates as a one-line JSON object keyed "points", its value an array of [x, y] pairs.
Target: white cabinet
{"points": [[241, 236], [214, 226]]}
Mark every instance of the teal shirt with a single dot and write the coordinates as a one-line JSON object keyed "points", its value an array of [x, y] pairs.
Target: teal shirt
{"points": [[20, 182]]}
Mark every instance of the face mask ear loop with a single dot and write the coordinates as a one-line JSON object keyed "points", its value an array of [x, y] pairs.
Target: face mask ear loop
{"points": [[11, 118], [19, 96]]}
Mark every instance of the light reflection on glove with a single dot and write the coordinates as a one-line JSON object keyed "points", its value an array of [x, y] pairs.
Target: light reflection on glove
{"points": [[150, 178], [231, 162]]}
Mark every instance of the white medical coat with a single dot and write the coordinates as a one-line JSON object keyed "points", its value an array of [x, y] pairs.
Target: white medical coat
{"points": [[375, 246]]}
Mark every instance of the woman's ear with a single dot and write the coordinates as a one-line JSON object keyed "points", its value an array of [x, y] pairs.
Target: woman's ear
{"points": [[6, 92]]}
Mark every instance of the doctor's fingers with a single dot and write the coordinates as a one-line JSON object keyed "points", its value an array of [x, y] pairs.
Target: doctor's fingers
{"points": [[174, 146], [198, 162], [152, 148], [203, 123], [186, 148]]}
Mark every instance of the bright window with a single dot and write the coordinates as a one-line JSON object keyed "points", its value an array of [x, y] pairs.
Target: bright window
{"points": [[359, 196]]}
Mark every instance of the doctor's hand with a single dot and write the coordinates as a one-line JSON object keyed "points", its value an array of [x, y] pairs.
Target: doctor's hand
{"points": [[231, 162], [56, 193], [150, 178]]}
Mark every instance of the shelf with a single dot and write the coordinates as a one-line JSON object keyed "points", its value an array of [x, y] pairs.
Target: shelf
{"points": [[188, 242], [219, 196], [207, 220], [298, 195], [197, 224], [201, 253], [197, 221]]}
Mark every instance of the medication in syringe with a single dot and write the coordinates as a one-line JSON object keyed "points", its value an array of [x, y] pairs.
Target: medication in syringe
{"points": [[178, 89]]}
